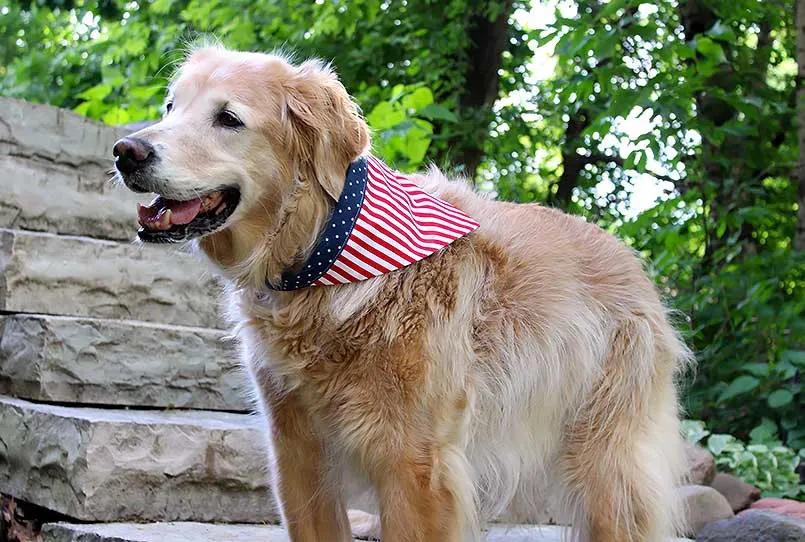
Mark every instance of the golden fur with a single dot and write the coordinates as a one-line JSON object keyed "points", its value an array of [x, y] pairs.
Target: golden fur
{"points": [[527, 365]]}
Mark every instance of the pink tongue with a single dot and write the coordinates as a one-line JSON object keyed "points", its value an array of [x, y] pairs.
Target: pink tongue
{"points": [[182, 212]]}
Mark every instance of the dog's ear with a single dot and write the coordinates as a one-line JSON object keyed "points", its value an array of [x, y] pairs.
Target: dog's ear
{"points": [[325, 129]]}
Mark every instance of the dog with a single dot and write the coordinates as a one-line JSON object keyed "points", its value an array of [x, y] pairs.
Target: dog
{"points": [[527, 360]]}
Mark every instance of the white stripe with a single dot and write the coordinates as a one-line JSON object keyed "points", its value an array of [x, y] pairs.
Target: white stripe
{"points": [[392, 217], [333, 275], [369, 270], [415, 197], [409, 256], [392, 256]]}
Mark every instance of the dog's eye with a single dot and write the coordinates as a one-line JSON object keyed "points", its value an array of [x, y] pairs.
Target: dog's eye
{"points": [[228, 119], [168, 107]]}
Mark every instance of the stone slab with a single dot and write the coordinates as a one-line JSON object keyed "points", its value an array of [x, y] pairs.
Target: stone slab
{"points": [[199, 532], [118, 362], [107, 465], [78, 276], [53, 169]]}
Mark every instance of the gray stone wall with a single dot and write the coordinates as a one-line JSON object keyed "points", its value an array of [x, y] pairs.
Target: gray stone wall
{"points": [[114, 366]]}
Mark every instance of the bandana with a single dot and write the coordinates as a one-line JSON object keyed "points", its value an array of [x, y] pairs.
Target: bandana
{"points": [[382, 222]]}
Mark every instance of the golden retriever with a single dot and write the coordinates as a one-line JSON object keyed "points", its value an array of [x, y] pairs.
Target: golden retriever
{"points": [[529, 362]]}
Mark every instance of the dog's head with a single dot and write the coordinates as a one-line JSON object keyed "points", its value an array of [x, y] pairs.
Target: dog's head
{"points": [[242, 135]]}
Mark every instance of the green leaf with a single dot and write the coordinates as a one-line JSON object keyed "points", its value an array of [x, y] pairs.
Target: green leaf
{"points": [[780, 398], [384, 116], [756, 369], [438, 112], [740, 385], [718, 443], [418, 99], [96, 93], [611, 8], [116, 116], [794, 357], [722, 32], [711, 50], [764, 433]]}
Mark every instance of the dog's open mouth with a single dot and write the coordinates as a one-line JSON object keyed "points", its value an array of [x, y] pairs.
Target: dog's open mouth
{"points": [[173, 221]]}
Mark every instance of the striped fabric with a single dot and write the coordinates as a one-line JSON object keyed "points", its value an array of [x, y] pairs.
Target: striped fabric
{"points": [[381, 222]]}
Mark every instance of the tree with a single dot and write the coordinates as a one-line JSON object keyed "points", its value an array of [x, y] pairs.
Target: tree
{"points": [[714, 84], [800, 235]]}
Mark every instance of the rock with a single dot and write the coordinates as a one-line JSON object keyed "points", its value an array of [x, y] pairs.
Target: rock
{"points": [[787, 507], [737, 492], [755, 526], [56, 135], [53, 169], [161, 532], [701, 465], [77, 276], [199, 532], [702, 505], [54, 198], [119, 465], [117, 362]]}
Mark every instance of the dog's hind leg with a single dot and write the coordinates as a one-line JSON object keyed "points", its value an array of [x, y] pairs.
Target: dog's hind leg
{"points": [[623, 453]]}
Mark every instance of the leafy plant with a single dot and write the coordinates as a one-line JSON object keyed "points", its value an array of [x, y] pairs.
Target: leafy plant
{"points": [[764, 463]]}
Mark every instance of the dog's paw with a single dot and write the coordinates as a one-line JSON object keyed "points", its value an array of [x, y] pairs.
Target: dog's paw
{"points": [[365, 526]]}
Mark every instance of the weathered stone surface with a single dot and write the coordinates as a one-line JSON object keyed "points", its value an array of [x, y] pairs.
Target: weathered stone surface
{"points": [[787, 507], [701, 465], [199, 532], [702, 505], [737, 492], [162, 532], [53, 166], [755, 526], [78, 276], [119, 465], [118, 362]]}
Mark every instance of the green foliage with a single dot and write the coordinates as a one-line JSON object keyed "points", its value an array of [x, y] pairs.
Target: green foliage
{"points": [[111, 59], [693, 100], [764, 463]]}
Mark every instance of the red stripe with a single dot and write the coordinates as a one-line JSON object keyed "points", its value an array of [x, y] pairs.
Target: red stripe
{"points": [[377, 204], [427, 240], [353, 266], [343, 272], [375, 252], [442, 220], [450, 212], [406, 182], [401, 234], [371, 262], [394, 250], [406, 221], [411, 205]]}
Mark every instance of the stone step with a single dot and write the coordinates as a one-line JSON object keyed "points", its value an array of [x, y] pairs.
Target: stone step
{"points": [[106, 465], [201, 532], [118, 362], [53, 166], [78, 276]]}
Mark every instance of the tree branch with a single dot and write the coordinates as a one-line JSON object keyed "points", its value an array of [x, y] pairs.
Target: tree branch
{"points": [[598, 158]]}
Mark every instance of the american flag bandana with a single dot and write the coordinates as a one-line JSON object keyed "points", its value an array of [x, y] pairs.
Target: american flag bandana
{"points": [[382, 222]]}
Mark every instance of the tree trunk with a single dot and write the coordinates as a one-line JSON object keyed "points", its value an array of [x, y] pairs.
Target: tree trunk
{"points": [[488, 40], [572, 162], [799, 237]]}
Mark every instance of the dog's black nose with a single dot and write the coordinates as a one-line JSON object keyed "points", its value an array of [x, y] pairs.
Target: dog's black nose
{"points": [[131, 153]]}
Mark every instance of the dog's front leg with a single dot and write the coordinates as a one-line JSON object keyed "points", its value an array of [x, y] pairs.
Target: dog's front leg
{"points": [[307, 494]]}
